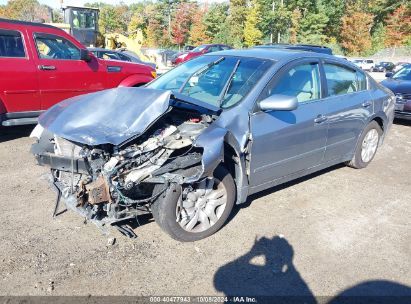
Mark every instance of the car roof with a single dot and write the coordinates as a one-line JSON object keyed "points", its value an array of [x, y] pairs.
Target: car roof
{"points": [[302, 47], [273, 54], [281, 56], [26, 23]]}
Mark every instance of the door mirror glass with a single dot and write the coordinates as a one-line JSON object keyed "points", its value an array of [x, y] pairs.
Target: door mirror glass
{"points": [[388, 75], [278, 103], [85, 55]]}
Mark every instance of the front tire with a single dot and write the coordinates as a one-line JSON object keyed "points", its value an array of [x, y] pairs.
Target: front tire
{"points": [[367, 146], [197, 212]]}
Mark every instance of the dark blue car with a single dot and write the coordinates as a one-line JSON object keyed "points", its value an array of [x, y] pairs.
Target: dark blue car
{"points": [[400, 84]]}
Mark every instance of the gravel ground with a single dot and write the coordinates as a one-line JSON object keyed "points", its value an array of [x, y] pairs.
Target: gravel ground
{"points": [[318, 236]]}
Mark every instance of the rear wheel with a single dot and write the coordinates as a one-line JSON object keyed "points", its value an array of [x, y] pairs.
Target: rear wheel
{"points": [[367, 146], [197, 211]]}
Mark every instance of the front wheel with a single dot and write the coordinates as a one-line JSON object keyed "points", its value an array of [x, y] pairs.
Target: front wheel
{"points": [[194, 212], [367, 146]]}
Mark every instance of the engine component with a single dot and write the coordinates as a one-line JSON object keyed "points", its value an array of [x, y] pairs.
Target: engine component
{"points": [[97, 191]]}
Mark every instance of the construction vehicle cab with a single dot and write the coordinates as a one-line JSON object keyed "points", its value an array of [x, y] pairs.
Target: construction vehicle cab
{"points": [[83, 23]]}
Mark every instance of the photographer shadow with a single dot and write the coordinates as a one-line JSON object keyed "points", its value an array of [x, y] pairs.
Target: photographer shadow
{"points": [[266, 270]]}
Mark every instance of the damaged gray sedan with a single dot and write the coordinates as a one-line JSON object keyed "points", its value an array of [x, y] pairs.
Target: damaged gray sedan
{"points": [[208, 134]]}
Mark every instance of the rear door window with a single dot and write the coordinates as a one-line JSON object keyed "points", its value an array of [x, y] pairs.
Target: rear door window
{"points": [[11, 44], [343, 80]]}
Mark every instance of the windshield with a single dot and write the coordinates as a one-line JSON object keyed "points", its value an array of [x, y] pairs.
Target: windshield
{"points": [[84, 19], [216, 80], [403, 74]]}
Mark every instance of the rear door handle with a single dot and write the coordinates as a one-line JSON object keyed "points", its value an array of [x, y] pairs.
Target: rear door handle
{"points": [[366, 104], [320, 119], [47, 67]]}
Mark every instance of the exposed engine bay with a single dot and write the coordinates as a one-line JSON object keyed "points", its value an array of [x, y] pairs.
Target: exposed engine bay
{"points": [[109, 183]]}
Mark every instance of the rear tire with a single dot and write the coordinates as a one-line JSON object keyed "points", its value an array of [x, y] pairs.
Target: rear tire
{"points": [[167, 208], [367, 146]]}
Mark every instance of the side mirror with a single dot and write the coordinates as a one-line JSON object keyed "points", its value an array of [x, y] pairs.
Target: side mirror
{"points": [[278, 103], [389, 74], [85, 55]]}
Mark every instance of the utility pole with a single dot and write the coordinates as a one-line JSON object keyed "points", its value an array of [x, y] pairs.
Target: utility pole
{"points": [[271, 35], [279, 34], [169, 19]]}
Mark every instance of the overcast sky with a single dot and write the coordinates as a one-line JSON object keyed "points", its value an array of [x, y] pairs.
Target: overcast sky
{"points": [[56, 3]]}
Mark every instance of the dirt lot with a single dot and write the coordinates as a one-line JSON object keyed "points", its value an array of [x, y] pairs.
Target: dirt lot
{"points": [[318, 236]]}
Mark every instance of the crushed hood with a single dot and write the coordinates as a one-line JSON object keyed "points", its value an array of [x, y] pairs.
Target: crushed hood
{"points": [[106, 117]]}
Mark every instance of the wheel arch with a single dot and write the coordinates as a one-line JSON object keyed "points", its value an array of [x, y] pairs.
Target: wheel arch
{"points": [[235, 162]]}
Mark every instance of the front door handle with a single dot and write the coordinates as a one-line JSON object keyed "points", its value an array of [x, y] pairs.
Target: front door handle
{"points": [[366, 104], [47, 67], [320, 119]]}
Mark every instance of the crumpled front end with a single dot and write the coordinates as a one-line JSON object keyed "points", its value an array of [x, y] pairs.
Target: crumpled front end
{"points": [[109, 183]]}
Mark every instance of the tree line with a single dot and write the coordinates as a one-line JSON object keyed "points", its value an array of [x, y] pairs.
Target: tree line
{"points": [[351, 27]]}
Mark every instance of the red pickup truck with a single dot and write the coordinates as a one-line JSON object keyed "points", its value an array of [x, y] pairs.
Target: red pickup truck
{"points": [[40, 65]]}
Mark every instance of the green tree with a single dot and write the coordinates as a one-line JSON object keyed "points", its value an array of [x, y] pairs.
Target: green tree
{"points": [[252, 35], [215, 22], [276, 19], [236, 20], [334, 9], [312, 28], [137, 23], [156, 27], [378, 38], [305, 6], [110, 21]]}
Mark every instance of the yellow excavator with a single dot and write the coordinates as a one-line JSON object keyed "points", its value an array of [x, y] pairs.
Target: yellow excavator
{"points": [[82, 24], [117, 41]]}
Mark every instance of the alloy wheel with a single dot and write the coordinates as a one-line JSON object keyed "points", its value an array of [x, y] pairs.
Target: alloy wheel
{"points": [[202, 206], [369, 145]]}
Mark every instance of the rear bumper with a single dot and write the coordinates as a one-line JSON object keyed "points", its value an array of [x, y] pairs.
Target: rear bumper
{"points": [[19, 118]]}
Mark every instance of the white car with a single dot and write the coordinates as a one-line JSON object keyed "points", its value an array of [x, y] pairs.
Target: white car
{"points": [[364, 64]]}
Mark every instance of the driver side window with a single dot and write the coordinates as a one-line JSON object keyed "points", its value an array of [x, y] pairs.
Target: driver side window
{"points": [[56, 48], [301, 81]]}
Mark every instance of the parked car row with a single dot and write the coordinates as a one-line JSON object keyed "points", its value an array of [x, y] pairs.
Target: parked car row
{"points": [[382, 66]]}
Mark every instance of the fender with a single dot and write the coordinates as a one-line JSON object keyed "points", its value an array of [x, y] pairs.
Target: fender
{"points": [[213, 141], [136, 79]]}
